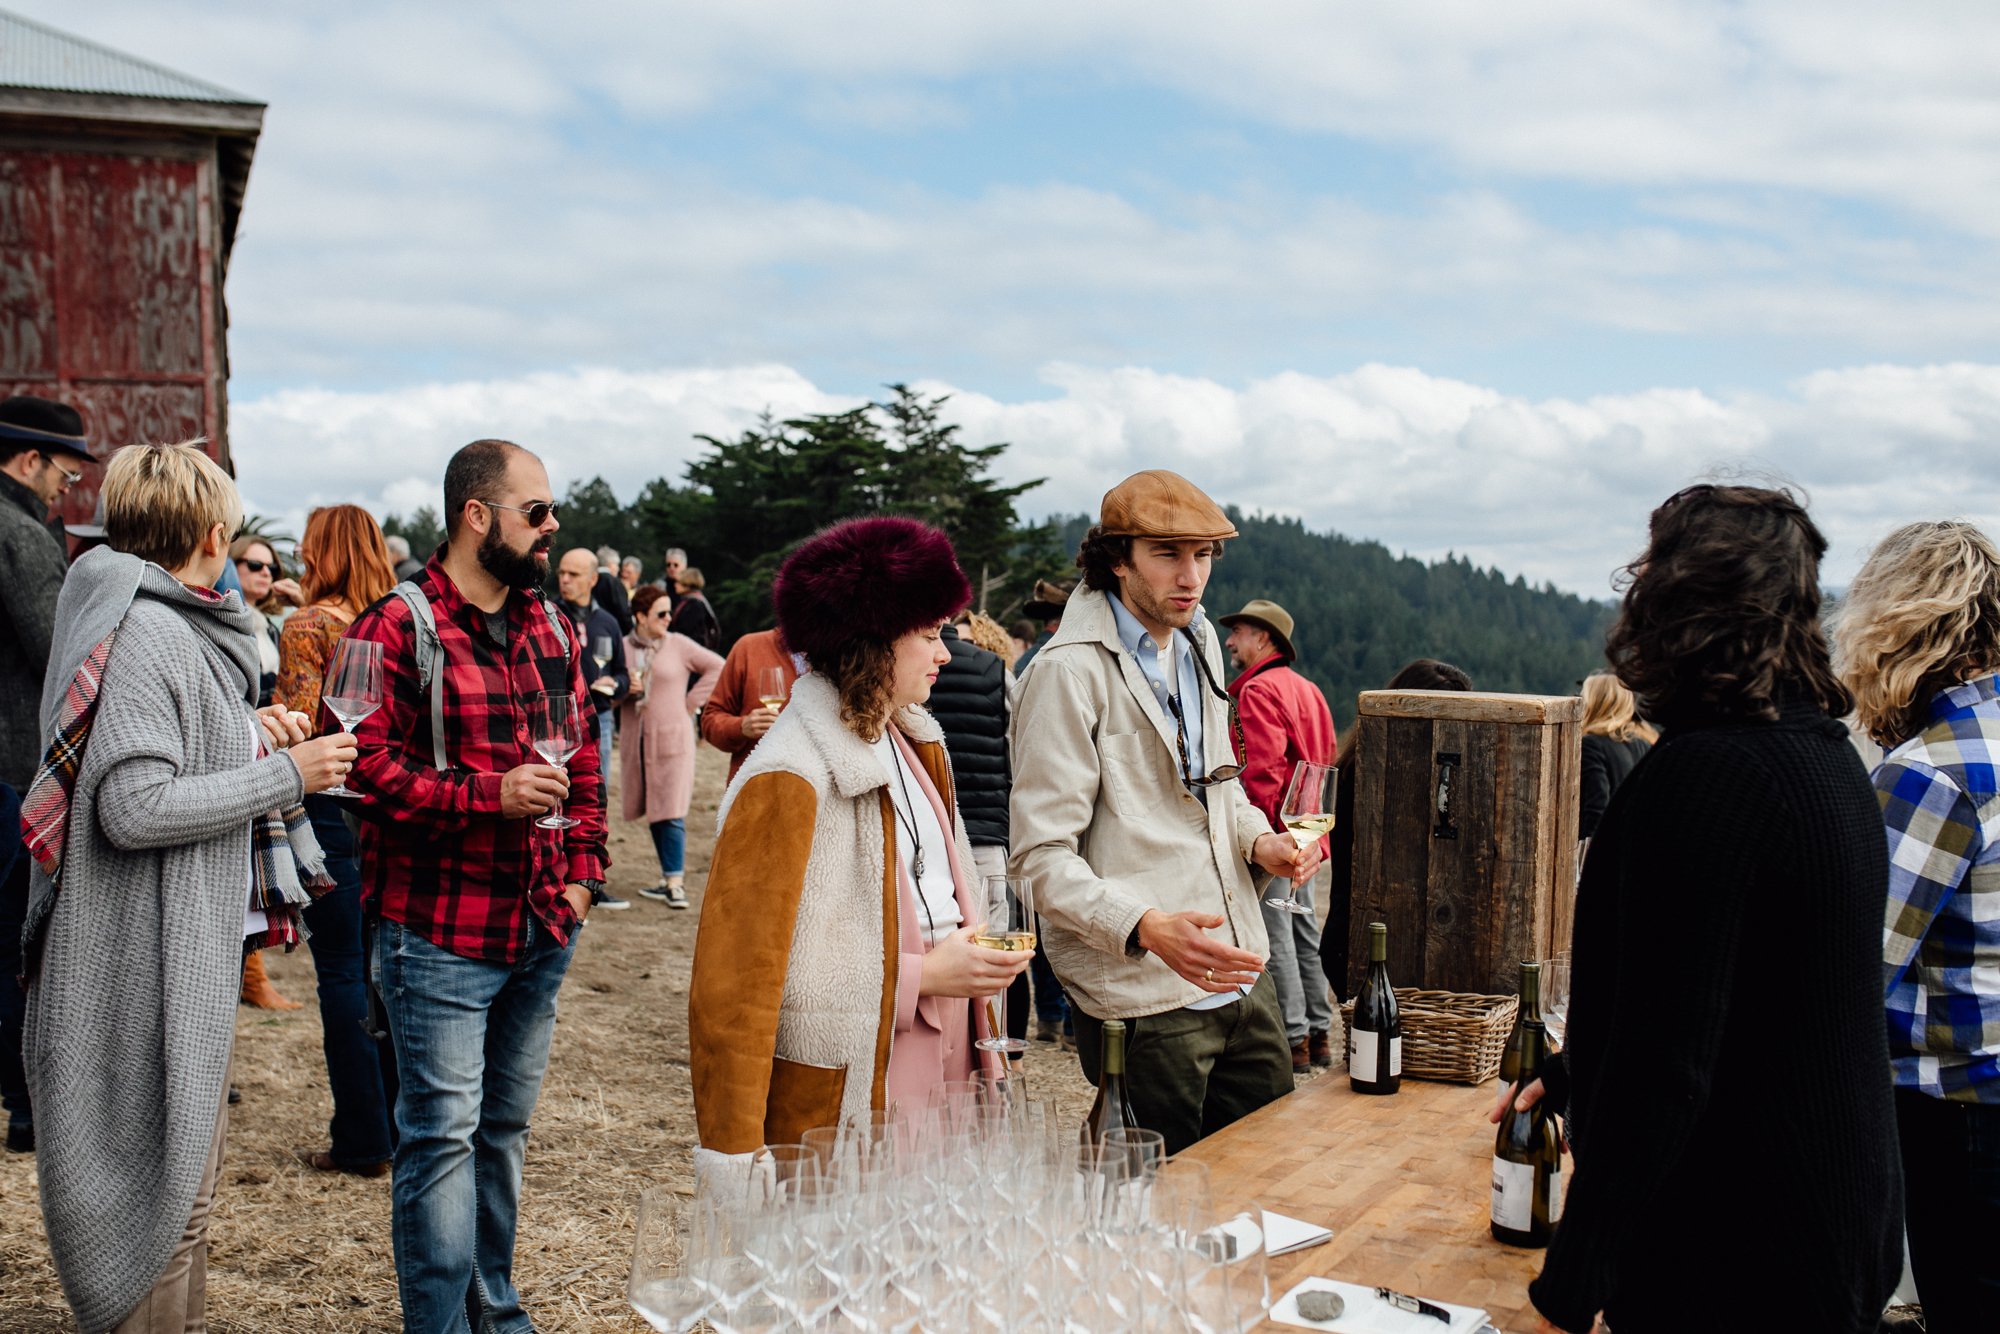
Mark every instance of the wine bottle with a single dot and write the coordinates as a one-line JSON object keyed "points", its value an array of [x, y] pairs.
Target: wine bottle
{"points": [[1527, 1153], [1510, 1058], [1375, 1063], [1113, 1107]]}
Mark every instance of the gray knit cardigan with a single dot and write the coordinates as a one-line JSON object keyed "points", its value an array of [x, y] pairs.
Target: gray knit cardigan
{"points": [[132, 1011]]}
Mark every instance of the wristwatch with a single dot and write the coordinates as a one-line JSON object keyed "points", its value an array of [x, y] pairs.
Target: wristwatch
{"points": [[595, 887]]}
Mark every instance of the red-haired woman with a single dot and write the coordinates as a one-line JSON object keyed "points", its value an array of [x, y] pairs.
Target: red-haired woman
{"points": [[346, 566], [656, 733], [834, 963]]}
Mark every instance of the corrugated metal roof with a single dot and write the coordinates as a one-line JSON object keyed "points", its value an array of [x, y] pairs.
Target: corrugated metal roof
{"points": [[34, 56]]}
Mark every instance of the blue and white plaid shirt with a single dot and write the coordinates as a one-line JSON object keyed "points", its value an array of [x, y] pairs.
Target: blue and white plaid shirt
{"points": [[1940, 794]]}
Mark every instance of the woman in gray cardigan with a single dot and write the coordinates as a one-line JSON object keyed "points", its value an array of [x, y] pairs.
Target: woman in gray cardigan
{"points": [[135, 949]]}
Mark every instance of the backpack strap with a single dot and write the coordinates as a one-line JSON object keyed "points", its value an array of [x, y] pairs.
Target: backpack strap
{"points": [[557, 622], [430, 648]]}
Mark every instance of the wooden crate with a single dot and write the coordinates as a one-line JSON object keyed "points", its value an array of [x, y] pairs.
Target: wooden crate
{"points": [[1470, 891]]}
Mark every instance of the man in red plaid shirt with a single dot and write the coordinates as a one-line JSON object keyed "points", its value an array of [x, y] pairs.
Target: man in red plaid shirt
{"points": [[480, 906]]}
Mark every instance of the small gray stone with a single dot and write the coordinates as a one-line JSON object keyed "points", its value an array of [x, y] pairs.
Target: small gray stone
{"points": [[1320, 1305]]}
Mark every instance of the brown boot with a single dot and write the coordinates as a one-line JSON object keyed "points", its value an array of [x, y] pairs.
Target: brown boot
{"points": [[1321, 1045], [257, 988], [1301, 1059]]}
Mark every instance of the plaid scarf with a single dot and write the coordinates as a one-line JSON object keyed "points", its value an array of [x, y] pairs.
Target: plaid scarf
{"points": [[287, 869]]}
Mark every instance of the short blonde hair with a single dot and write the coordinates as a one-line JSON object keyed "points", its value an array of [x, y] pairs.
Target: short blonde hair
{"points": [[1923, 615], [160, 501], [1609, 710], [987, 633]]}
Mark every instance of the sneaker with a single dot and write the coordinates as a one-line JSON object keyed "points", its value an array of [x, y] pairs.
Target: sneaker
{"points": [[1321, 1046], [657, 893], [677, 897], [604, 898]]}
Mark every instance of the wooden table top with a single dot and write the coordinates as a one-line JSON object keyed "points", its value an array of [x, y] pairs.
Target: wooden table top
{"points": [[1405, 1182]]}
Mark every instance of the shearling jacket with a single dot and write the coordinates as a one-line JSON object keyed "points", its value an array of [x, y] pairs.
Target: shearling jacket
{"points": [[789, 1026], [32, 566], [1104, 826]]}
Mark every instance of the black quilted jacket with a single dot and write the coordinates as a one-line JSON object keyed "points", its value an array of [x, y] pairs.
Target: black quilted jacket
{"points": [[970, 703]]}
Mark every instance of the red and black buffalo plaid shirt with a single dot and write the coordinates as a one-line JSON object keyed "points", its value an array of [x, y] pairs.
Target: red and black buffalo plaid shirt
{"points": [[436, 854]]}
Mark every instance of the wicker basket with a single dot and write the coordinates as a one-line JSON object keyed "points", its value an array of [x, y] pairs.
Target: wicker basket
{"points": [[1448, 1035]]}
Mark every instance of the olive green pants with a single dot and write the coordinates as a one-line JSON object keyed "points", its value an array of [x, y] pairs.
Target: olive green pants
{"points": [[1192, 1072]]}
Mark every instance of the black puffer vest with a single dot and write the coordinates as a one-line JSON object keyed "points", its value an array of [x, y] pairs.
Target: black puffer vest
{"points": [[969, 702]]}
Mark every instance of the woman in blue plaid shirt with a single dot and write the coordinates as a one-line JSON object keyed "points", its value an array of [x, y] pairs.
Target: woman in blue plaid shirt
{"points": [[1919, 642]]}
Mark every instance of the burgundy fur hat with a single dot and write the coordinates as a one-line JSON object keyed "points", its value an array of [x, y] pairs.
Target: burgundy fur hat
{"points": [[879, 577]]}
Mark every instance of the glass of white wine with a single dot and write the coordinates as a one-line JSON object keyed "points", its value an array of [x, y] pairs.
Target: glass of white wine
{"points": [[771, 688], [1008, 909], [1307, 815]]}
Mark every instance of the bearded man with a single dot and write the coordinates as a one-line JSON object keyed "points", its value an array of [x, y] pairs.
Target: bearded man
{"points": [[1147, 858], [480, 903]]}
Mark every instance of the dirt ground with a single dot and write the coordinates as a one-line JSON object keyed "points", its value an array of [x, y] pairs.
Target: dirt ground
{"points": [[297, 1250]]}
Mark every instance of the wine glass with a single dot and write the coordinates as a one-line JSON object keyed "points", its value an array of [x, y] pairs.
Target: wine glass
{"points": [[1008, 909], [352, 689], [557, 727], [1555, 998], [600, 653], [771, 688], [662, 1288], [1307, 815]]}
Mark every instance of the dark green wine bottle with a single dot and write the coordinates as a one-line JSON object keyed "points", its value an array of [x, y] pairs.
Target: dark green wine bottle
{"points": [[1510, 1059], [1375, 1046], [1527, 1153], [1113, 1107]]}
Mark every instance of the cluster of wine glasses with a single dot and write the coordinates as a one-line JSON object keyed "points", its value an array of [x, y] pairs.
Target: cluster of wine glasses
{"points": [[977, 1213]]}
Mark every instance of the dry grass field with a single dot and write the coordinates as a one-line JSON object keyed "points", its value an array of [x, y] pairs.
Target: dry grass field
{"points": [[292, 1249]]}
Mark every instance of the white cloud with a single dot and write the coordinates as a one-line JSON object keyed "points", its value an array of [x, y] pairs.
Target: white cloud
{"points": [[1558, 490]]}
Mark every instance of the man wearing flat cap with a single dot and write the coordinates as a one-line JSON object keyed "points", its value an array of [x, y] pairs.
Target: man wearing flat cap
{"points": [[42, 452], [1148, 859], [1285, 721]]}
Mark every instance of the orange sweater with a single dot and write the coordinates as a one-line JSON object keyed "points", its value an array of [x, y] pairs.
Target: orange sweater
{"points": [[736, 693]]}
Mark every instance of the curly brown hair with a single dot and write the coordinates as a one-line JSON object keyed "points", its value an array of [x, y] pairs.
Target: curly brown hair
{"points": [[865, 676], [1102, 553], [1721, 617]]}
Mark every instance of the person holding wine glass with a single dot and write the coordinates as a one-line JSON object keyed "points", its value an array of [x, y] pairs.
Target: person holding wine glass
{"points": [[604, 646], [656, 740], [480, 906], [346, 566], [1726, 963], [835, 966], [167, 837]]}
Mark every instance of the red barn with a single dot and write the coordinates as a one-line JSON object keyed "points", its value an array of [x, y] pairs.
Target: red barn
{"points": [[120, 187]]}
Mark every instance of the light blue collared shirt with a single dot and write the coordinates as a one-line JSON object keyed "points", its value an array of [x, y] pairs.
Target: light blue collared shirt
{"points": [[1142, 646]]}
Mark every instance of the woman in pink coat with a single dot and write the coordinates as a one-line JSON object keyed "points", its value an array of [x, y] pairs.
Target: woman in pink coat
{"points": [[656, 738]]}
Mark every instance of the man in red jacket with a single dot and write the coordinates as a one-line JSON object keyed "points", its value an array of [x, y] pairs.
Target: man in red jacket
{"points": [[1285, 720]]}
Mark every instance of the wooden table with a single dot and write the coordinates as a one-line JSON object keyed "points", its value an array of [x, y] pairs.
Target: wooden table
{"points": [[1405, 1182]]}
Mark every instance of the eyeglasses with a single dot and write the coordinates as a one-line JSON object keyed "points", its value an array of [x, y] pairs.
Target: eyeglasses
{"points": [[1221, 773], [538, 513], [258, 566]]}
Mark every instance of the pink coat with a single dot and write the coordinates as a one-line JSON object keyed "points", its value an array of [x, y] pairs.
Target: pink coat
{"points": [[656, 738]]}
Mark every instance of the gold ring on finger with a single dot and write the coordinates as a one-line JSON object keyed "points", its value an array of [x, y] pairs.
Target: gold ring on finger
{"points": [[1209, 976]]}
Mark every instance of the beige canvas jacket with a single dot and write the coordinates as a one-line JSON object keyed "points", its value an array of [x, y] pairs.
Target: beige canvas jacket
{"points": [[1106, 829]]}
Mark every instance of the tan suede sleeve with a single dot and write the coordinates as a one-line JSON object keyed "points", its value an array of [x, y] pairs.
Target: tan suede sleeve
{"points": [[741, 951]]}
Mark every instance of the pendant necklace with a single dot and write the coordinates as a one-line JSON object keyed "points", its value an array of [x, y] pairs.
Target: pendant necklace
{"points": [[916, 839]]}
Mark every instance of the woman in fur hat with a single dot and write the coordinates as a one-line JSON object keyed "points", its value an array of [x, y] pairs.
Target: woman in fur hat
{"points": [[834, 966]]}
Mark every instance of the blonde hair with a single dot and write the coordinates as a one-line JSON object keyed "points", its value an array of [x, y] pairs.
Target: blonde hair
{"points": [[1923, 615], [1609, 710], [160, 501], [988, 634]]}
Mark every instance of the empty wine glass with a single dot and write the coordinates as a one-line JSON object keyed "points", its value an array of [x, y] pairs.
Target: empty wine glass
{"points": [[557, 728], [352, 689], [662, 1287], [1307, 815], [1555, 998], [1008, 910]]}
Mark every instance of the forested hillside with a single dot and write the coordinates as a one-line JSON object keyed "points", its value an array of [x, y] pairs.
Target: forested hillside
{"points": [[1363, 612]]}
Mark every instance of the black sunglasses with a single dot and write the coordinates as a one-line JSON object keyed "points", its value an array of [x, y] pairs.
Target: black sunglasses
{"points": [[538, 513], [1221, 773], [258, 566]]}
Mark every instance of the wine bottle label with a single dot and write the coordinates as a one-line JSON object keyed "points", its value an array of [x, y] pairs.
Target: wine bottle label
{"points": [[1555, 1196], [1395, 1057], [1361, 1065], [1513, 1195]]}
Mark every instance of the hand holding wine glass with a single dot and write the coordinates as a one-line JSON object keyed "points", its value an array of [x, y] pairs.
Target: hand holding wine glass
{"points": [[556, 726], [771, 691], [1009, 907], [352, 689], [1307, 815], [600, 653]]}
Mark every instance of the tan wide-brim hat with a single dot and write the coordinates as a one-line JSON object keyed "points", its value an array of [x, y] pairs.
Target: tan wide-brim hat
{"points": [[1269, 617], [1051, 596], [1161, 504]]}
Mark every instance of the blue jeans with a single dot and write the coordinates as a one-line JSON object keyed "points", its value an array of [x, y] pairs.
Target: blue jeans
{"points": [[670, 841], [606, 735], [360, 1127], [472, 1045]]}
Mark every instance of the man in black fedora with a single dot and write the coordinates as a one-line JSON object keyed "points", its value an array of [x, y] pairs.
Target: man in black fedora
{"points": [[1051, 596], [42, 454]]}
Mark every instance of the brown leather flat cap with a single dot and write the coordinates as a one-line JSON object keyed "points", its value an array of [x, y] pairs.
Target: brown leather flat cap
{"points": [[1158, 503], [1272, 619]]}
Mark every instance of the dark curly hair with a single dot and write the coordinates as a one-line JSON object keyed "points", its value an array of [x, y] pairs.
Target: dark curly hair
{"points": [[1721, 616], [1102, 553]]}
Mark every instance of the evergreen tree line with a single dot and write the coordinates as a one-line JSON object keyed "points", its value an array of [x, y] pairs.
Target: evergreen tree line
{"points": [[1361, 612]]}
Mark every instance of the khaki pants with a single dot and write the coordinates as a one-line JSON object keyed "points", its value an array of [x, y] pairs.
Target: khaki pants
{"points": [[178, 1303]]}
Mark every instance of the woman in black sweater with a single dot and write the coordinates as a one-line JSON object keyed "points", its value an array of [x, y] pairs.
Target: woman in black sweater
{"points": [[1727, 1074], [1614, 741]]}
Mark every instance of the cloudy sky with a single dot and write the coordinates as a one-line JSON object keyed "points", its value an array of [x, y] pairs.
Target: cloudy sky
{"points": [[1491, 279]]}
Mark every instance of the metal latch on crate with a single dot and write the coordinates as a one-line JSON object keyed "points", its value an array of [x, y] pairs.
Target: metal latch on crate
{"points": [[1447, 762]]}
